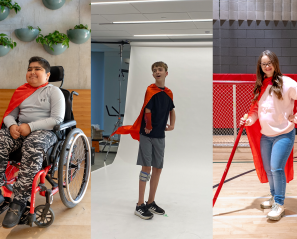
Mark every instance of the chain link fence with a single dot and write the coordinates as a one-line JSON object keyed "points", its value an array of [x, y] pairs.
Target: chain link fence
{"points": [[231, 100]]}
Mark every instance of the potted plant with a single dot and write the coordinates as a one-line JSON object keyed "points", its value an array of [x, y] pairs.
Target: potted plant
{"points": [[80, 34], [6, 6], [53, 4], [54, 43], [27, 34], [6, 44]]}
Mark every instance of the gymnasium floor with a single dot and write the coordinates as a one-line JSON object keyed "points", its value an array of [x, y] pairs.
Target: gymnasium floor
{"points": [[237, 213]]}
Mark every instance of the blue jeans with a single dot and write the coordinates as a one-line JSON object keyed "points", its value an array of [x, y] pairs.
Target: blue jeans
{"points": [[275, 152]]}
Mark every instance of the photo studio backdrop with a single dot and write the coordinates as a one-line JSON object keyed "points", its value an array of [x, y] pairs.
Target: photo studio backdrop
{"points": [[186, 182]]}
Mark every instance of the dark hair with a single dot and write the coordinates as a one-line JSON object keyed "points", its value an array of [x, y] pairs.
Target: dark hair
{"points": [[277, 81], [161, 64], [43, 62]]}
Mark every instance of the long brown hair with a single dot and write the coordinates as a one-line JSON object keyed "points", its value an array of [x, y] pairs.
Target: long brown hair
{"points": [[277, 81]]}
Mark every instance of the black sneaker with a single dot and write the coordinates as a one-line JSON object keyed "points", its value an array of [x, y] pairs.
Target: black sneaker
{"points": [[13, 215], [143, 212], [154, 208]]}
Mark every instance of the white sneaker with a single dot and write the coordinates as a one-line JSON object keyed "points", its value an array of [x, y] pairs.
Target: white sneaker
{"points": [[268, 203], [277, 211]]}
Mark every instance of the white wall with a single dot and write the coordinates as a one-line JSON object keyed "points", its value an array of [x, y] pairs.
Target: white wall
{"points": [[76, 60]]}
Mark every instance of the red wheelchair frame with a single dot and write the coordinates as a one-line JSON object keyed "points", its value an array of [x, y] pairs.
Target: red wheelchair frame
{"points": [[71, 138], [10, 172]]}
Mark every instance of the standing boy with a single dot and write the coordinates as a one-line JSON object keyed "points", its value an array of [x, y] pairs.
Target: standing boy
{"points": [[149, 129], [152, 141]]}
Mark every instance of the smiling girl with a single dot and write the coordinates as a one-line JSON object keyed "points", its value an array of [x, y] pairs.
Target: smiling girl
{"points": [[271, 130]]}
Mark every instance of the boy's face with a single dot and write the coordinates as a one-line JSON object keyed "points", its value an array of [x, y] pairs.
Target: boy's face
{"points": [[36, 75], [159, 73]]}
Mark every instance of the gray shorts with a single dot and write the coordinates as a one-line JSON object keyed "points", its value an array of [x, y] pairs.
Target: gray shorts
{"points": [[151, 151]]}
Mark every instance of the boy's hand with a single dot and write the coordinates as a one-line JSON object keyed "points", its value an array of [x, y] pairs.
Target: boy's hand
{"points": [[169, 127], [24, 129], [147, 131], [14, 132]]}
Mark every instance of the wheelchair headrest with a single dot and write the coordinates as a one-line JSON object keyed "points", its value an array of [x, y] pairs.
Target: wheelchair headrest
{"points": [[57, 74]]}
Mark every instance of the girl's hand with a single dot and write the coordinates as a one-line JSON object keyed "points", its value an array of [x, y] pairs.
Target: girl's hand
{"points": [[292, 119], [245, 120]]}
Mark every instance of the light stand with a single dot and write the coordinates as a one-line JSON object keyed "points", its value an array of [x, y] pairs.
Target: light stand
{"points": [[118, 124]]}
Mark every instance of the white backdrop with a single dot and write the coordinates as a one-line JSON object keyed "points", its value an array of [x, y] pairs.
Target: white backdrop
{"points": [[185, 189], [190, 79]]}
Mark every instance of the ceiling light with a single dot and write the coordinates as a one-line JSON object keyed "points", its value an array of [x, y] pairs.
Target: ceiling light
{"points": [[137, 1], [171, 35], [160, 21]]}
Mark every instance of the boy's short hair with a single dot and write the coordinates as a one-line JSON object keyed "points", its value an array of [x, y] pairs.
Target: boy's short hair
{"points": [[160, 64], [43, 62]]}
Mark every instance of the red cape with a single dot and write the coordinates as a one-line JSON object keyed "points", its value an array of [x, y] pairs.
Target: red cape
{"points": [[254, 136], [134, 129], [20, 94]]}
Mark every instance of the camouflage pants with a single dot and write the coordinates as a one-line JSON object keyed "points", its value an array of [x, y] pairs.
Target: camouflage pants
{"points": [[34, 148]]}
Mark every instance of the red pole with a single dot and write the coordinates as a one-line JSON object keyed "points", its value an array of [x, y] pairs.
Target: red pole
{"points": [[228, 165]]}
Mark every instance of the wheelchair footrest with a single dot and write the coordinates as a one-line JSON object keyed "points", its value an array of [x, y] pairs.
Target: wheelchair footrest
{"points": [[5, 205]]}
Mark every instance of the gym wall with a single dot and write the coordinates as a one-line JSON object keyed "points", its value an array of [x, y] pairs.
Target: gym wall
{"points": [[238, 44]]}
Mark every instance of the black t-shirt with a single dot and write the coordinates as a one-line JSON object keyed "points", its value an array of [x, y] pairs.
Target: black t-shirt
{"points": [[160, 105]]}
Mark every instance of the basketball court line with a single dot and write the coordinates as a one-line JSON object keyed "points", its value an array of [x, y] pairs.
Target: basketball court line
{"points": [[251, 197], [247, 216]]}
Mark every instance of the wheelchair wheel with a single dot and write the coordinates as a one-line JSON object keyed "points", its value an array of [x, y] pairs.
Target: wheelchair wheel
{"points": [[44, 221], [56, 157], [74, 168]]}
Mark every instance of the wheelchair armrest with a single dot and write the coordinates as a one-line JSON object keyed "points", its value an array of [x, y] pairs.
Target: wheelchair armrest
{"points": [[64, 125]]}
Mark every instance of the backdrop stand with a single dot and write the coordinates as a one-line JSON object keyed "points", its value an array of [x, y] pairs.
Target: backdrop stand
{"points": [[121, 78]]}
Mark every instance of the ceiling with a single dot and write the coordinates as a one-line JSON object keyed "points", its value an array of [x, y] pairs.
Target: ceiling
{"points": [[144, 11]]}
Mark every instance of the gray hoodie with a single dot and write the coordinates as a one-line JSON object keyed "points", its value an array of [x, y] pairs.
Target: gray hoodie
{"points": [[42, 110]]}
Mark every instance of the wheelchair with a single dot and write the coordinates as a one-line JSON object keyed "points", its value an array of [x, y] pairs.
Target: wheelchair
{"points": [[66, 166]]}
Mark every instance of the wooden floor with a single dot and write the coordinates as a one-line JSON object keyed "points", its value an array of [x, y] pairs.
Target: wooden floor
{"points": [[228, 140], [72, 223], [237, 212]]}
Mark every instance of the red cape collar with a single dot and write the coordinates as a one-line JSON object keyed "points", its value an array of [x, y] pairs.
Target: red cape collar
{"points": [[20, 94], [134, 129]]}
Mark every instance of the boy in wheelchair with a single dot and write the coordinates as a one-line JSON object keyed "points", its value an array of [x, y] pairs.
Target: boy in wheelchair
{"points": [[35, 108]]}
